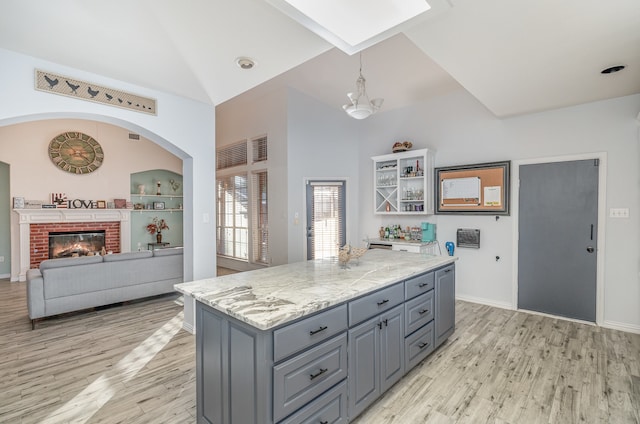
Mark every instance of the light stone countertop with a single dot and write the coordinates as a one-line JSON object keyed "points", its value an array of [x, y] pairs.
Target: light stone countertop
{"points": [[269, 297]]}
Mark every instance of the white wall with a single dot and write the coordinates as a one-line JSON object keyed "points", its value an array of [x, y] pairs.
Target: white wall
{"points": [[184, 127], [322, 143], [463, 132]]}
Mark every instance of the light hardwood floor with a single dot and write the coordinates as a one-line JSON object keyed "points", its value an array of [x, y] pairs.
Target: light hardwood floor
{"points": [[134, 364]]}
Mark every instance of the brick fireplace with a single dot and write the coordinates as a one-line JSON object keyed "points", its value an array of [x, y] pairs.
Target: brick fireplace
{"points": [[35, 225], [39, 237]]}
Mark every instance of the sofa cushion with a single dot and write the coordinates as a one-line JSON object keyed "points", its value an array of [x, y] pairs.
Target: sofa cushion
{"points": [[64, 262], [128, 256]]}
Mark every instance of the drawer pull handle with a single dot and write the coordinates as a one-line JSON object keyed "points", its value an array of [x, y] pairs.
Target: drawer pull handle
{"points": [[424, 311], [382, 302], [324, 422], [447, 270], [322, 328], [423, 345], [319, 373], [423, 284]]}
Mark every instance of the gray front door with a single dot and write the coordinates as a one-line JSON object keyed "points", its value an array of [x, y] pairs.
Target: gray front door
{"points": [[557, 248]]}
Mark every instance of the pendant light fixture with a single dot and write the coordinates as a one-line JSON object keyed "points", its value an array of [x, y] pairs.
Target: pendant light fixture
{"points": [[361, 107]]}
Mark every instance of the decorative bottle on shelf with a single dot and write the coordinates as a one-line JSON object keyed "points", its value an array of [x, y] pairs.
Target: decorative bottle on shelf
{"points": [[159, 237], [158, 190]]}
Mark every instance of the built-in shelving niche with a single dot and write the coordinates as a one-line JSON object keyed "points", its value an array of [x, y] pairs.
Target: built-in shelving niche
{"points": [[146, 200]]}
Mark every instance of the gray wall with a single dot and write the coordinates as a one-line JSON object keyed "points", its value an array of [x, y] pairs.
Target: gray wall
{"points": [[5, 221], [322, 142], [463, 131]]}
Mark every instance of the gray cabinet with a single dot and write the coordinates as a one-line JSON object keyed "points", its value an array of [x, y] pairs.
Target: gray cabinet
{"points": [[233, 364], [445, 292], [376, 358], [323, 368]]}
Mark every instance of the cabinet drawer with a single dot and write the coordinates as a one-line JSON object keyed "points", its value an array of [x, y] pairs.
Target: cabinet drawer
{"points": [[418, 346], [375, 303], [418, 285], [309, 331], [418, 312], [330, 408], [302, 378]]}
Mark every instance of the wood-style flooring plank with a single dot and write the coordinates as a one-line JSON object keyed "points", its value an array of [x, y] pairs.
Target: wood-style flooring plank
{"points": [[132, 364]]}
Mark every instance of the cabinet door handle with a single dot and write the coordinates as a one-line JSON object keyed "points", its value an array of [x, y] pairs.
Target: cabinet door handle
{"points": [[319, 373], [424, 311], [386, 323], [423, 345], [379, 325], [322, 328], [382, 302]]}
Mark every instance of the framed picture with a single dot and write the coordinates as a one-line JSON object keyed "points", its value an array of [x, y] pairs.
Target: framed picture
{"points": [[478, 189], [101, 204], [111, 205], [158, 205], [120, 203]]}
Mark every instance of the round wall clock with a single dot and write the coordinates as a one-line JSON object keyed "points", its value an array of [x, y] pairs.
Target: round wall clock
{"points": [[76, 152]]}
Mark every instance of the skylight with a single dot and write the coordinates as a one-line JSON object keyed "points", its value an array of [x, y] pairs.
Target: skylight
{"points": [[352, 25]]}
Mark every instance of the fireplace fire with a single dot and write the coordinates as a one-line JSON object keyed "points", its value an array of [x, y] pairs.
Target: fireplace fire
{"points": [[75, 243]]}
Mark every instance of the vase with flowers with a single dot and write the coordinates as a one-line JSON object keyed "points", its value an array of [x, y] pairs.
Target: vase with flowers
{"points": [[156, 227]]}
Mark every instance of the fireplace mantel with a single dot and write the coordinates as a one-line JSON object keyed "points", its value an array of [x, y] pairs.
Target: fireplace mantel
{"points": [[26, 217]]}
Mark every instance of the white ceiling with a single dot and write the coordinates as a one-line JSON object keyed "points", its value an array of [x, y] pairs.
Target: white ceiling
{"points": [[514, 56]]}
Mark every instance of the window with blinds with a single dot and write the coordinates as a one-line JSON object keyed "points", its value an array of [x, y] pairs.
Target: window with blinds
{"points": [[233, 217], [260, 224], [327, 218], [259, 149], [230, 156], [242, 222]]}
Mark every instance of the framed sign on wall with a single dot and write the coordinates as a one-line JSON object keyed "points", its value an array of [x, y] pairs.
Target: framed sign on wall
{"points": [[477, 189]]}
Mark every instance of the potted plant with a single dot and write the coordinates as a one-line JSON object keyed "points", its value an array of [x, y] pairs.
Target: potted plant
{"points": [[156, 227]]}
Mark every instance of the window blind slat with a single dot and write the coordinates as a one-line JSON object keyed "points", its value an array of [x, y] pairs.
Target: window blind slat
{"points": [[230, 156]]}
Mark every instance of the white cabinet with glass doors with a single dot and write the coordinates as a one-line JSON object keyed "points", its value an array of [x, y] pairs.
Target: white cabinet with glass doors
{"points": [[403, 183]]}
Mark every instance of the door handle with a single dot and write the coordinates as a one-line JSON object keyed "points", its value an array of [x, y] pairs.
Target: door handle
{"points": [[590, 249]]}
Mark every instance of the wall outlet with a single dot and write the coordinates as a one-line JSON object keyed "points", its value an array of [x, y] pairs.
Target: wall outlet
{"points": [[619, 213], [1, 258]]}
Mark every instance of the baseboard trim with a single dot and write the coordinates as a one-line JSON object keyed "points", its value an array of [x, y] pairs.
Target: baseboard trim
{"points": [[488, 302], [5, 275], [622, 326], [188, 327]]}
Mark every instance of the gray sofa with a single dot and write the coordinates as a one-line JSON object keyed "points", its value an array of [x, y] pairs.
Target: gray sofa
{"points": [[72, 284]]}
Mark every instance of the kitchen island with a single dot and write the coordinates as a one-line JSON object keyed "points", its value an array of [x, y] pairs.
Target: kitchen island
{"points": [[314, 341]]}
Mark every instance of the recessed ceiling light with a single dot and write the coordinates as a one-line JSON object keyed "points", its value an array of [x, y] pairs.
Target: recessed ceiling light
{"points": [[245, 62], [612, 69]]}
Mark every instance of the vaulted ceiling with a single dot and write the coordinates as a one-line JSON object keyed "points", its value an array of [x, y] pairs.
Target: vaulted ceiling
{"points": [[514, 56]]}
